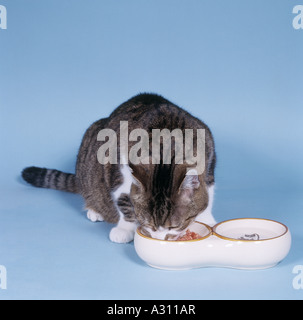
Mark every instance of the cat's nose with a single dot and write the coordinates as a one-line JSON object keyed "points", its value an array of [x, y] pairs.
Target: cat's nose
{"points": [[171, 237]]}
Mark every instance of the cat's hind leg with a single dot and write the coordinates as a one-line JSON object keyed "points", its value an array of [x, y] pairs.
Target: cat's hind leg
{"points": [[94, 216]]}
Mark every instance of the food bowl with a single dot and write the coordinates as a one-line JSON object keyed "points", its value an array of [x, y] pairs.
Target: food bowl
{"points": [[246, 243]]}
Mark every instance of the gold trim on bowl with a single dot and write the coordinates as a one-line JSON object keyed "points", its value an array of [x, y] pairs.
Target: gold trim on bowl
{"points": [[244, 240], [172, 241]]}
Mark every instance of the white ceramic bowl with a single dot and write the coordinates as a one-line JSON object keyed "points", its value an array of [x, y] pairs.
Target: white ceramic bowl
{"points": [[240, 243]]}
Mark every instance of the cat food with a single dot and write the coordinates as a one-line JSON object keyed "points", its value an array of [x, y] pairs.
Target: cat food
{"points": [[189, 236]]}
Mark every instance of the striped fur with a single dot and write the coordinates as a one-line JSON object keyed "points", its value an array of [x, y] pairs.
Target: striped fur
{"points": [[51, 179], [157, 199]]}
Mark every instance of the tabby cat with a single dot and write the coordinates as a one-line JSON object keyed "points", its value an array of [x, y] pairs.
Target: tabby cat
{"points": [[161, 198]]}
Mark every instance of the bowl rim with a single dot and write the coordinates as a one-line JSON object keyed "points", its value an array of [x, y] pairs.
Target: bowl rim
{"points": [[215, 233], [179, 241]]}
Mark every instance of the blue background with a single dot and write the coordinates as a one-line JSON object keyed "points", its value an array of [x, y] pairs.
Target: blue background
{"points": [[64, 64]]}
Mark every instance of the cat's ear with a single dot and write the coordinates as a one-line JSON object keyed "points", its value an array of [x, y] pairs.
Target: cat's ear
{"points": [[190, 184]]}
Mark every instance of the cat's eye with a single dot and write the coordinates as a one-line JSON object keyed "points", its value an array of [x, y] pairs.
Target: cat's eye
{"points": [[190, 218]]}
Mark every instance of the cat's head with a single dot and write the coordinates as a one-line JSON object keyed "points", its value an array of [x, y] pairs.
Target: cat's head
{"points": [[167, 199]]}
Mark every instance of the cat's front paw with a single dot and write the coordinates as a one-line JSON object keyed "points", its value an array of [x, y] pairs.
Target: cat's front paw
{"points": [[120, 235], [94, 216]]}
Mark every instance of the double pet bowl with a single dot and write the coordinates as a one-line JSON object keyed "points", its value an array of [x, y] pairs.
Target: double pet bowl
{"points": [[239, 243]]}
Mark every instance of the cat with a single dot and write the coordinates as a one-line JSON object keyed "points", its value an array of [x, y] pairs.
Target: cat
{"points": [[160, 198]]}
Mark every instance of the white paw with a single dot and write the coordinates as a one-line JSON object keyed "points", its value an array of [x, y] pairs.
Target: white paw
{"points": [[120, 235], [94, 216]]}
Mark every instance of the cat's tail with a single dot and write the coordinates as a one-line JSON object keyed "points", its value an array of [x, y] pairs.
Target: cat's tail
{"points": [[51, 179]]}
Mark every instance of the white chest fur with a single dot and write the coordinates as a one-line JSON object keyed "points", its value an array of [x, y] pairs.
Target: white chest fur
{"points": [[124, 232], [127, 182]]}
